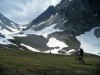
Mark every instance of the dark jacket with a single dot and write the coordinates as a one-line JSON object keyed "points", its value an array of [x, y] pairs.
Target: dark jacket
{"points": [[81, 51]]}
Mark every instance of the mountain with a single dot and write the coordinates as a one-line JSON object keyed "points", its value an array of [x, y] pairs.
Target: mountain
{"points": [[7, 29], [65, 28], [8, 25]]}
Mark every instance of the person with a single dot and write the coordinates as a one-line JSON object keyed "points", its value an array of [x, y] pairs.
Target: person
{"points": [[79, 58], [81, 52]]}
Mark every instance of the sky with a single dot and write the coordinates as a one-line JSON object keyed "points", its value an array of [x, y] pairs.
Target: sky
{"points": [[23, 11]]}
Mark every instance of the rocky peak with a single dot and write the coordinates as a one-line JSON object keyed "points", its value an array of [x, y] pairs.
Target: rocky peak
{"points": [[45, 15]]}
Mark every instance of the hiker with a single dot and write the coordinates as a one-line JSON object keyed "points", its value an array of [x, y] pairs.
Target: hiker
{"points": [[81, 52], [79, 58]]}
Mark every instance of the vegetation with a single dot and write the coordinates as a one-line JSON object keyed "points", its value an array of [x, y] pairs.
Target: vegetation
{"points": [[16, 62]]}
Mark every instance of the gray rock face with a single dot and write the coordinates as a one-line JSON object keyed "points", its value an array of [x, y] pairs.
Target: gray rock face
{"points": [[81, 16], [97, 32], [6, 22], [44, 16], [35, 41], [6, 25]]}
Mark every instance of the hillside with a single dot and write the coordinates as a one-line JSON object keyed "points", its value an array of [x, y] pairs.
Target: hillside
{"points": [[69, 25], [17, 62]]}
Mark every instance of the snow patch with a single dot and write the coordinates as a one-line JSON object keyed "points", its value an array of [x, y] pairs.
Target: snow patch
{"points": [[70, 52], [30, 48], [89, 42], [13, 25], [8, 37], [14, 30], [5, 32], [34, 26], [70, 0], [65, 21], [53, 42], [22, 27], [4, 41], [0, 27], [40, 23], [18, 35], [45, 32], [54, 51], [1, 22]]}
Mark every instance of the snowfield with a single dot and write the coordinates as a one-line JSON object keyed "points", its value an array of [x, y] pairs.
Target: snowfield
{"points": [[4, 41], [45, 32], [89, 42], [13, 30], [5, 32], [19, 35], [53, 42], [30, 48]]}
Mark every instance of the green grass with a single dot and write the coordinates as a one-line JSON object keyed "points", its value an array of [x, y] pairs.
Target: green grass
{"points": [[15, 62]]}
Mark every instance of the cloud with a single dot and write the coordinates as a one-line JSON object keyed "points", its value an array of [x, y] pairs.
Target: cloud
{"points": [[23, 11]]}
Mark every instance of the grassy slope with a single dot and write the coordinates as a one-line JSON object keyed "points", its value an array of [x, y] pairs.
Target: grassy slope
{"points": [[14, 62]]}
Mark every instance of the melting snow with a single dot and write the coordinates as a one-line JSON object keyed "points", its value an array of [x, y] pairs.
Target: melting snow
{"points": [[1, 22], [69, 52], [14, 30], [34, 26], [54, 51], [13, 25], [45, 32], [5, 32], [22, 26], [8, 37], [53, 42], [4, 41], [0, 27], [89, 42], [18, 35], [30, 48], [65, 21]]}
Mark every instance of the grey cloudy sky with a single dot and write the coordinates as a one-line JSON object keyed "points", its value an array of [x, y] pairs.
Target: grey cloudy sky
{"points": [[23, 11]]}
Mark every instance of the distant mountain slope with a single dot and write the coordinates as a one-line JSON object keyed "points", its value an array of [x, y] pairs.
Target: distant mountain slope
{"points": [[7, 29], [64, 22], [5, 23]]}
